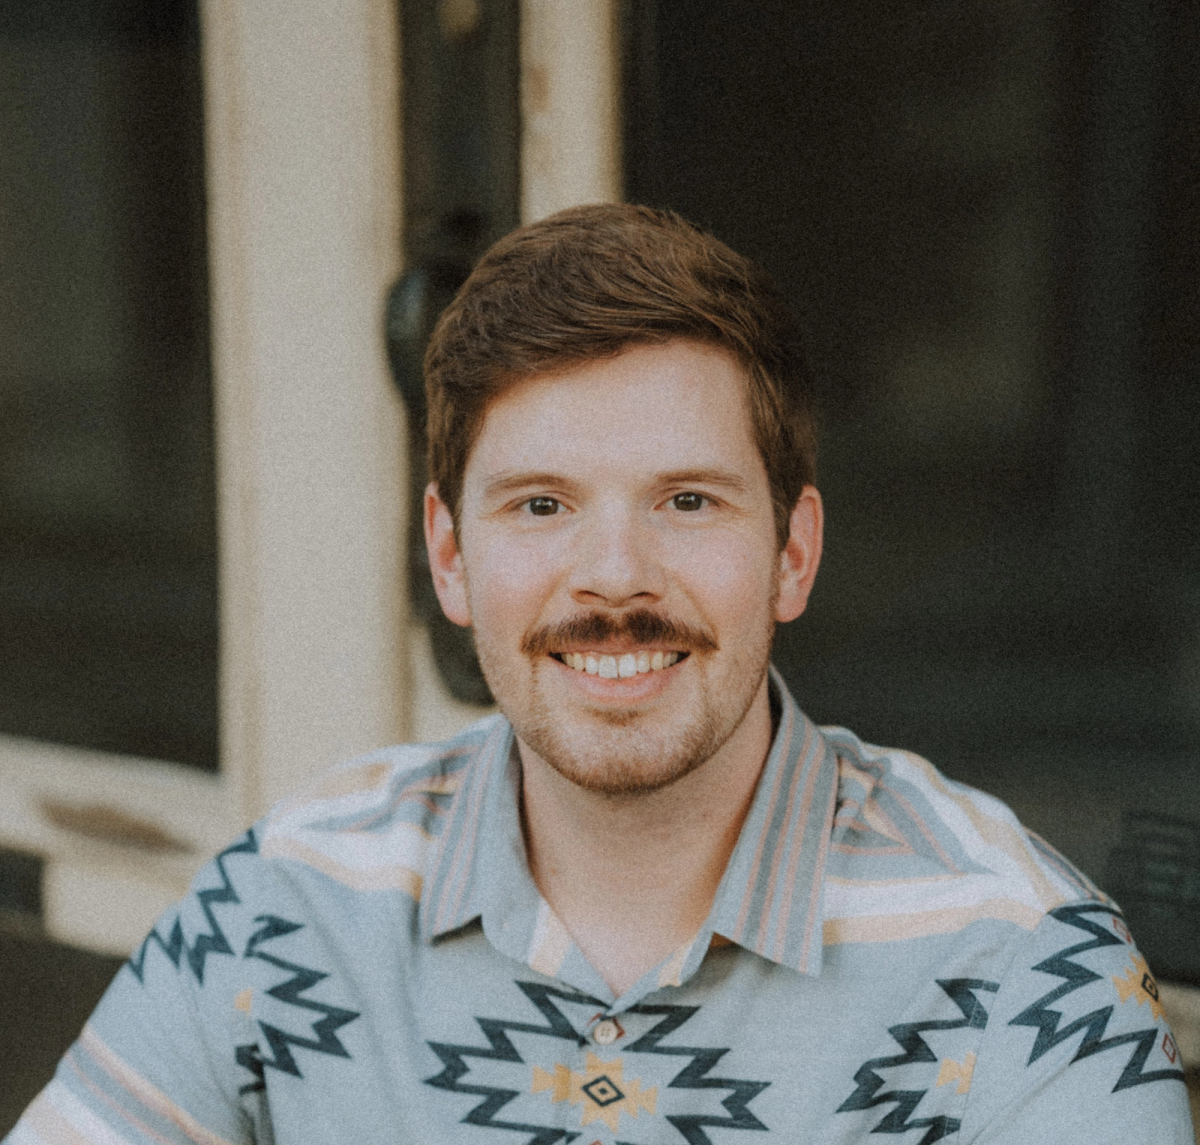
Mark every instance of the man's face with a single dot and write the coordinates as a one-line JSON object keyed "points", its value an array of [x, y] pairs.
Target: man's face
{"points": [[619, 562]]}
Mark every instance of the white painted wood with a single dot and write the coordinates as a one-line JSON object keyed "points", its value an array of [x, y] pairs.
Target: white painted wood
{"points": [[570, 76], [102, 908], [304, 216], [178, 801], [130, 883], [303, 154]]}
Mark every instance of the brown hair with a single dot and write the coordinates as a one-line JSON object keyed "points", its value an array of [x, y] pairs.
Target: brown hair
{"points": [[590, 281]]}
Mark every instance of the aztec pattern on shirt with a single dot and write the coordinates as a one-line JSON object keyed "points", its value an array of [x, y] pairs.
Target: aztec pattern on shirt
{"points": [[888, 952]]}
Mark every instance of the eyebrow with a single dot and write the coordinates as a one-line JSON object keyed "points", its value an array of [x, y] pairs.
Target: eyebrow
{"points": [[723, 477], [511, 482]]}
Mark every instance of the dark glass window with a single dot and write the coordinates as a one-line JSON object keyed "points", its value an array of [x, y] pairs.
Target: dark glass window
{"points": [[987, 214], [108, 622]]}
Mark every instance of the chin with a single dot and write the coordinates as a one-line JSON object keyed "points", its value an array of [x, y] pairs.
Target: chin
{"points": [[617, 757], [622, 752]]}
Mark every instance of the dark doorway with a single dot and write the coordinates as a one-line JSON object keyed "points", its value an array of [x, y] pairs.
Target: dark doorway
{"points": [[986, 214]]}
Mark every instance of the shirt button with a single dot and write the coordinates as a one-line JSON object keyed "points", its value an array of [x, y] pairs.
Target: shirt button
{"points": [[606, 1032]]}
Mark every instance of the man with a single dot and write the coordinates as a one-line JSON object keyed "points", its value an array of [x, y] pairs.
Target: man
{"points": [[651, 902]]}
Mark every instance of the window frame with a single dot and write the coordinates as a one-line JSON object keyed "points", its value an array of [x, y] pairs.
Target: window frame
{"points": [[302, 179], [319, 659]]}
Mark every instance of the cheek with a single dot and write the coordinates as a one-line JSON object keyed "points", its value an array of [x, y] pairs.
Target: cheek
{"points": [[508, 580], [730, 577]]}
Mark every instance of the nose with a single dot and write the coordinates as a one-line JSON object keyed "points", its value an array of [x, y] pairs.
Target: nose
{"points": [[616, 562]]}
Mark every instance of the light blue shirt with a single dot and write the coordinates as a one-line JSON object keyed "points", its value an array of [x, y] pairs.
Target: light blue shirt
{"points": [[888, 952]]}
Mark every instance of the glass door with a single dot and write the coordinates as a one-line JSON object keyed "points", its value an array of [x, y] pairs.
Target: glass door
{"points": [[108, 609], [985, 214]]}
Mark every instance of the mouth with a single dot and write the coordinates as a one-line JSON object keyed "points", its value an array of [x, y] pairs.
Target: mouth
{"points": [[622, 665]]}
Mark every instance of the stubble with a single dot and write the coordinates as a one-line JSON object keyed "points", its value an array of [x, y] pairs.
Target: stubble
{"points": [[633, 751]]}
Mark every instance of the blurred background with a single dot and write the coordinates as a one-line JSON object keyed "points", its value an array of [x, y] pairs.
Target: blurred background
{"points": [[226, 230]]}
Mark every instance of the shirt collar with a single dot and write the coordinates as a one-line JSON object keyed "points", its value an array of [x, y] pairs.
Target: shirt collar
{"points": [[768, 901]]}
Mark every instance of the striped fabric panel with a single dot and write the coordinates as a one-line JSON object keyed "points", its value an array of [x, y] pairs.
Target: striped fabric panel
{"points": [[901, 926], [769, 898], [808, 820], [861, 823], [889, 822], [979, 863], [920, 829], [449, 901], [87, 1105], [371, 824], [409, 784], [98, 1097], [768, 798], [58, 1117], [984, 828], [402, 869]]}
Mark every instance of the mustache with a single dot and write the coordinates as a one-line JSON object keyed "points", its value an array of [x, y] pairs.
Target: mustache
{"points": [[639, 626]]}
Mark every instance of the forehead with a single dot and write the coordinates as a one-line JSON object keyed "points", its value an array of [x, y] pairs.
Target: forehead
{"points": [[657, 406]]}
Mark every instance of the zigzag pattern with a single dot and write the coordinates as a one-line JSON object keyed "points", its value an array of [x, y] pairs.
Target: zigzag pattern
{"points": [[214, 942], [324, 1029], [501, 1048], [694, 1075], [961, 992], [1046, 1021]]}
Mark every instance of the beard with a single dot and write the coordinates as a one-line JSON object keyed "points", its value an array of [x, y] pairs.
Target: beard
{"points": [[633, 751]]}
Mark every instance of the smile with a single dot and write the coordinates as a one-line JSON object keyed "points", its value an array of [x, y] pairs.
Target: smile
{"points": [[611, 667]]}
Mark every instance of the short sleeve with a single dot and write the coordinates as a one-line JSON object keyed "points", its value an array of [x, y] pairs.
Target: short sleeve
{"points": [[1077, 1047], [158, 1060]]}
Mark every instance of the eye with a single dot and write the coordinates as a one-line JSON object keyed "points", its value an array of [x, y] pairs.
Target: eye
{"points": [[688, 502], [543, 506]]}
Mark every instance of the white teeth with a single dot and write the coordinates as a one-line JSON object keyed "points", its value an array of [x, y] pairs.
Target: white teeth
{"points": [[624, 666]]}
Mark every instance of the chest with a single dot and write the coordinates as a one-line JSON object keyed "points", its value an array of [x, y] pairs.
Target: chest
{"points": [[468, 1048]]}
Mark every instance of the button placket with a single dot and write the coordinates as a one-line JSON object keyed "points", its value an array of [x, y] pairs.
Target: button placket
{"points": [[607, 1031]]}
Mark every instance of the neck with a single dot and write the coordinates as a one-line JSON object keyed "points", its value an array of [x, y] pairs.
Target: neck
{"points": [[633, 877]]}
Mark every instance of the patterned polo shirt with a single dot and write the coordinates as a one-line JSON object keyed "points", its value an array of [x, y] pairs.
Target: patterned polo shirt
{"points": [[888, 952]]}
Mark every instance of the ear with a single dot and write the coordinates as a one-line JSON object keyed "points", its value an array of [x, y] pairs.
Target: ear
{"points": [[801, 555], [445, 561]]}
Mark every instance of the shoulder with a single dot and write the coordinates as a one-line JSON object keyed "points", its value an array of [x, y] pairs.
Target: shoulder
{"points": [[371, 823], [992, 932], [914, 854], [368, 826], [1076, 1045], [272, 931]]}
